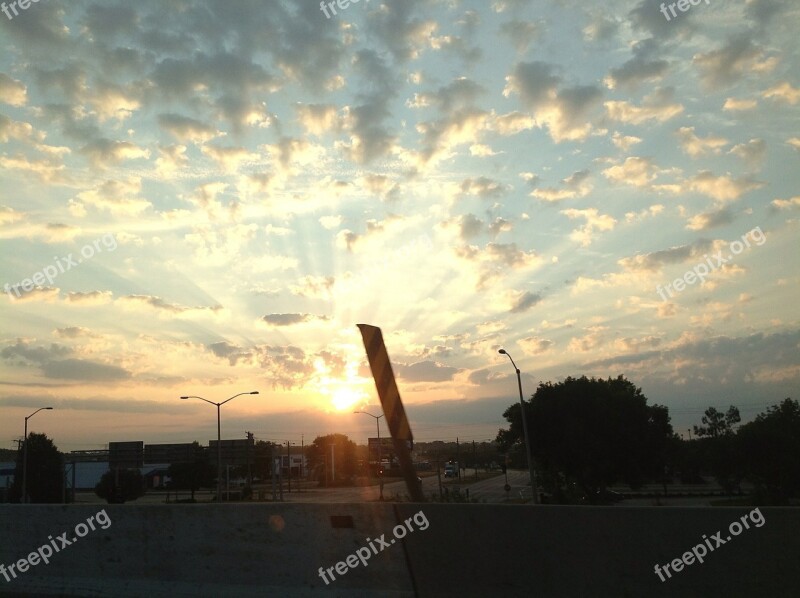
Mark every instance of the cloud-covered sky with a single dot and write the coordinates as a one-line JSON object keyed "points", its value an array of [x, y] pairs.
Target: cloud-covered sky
{"points": [[205, 198]]}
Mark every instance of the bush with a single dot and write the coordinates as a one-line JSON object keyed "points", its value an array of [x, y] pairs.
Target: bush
{"points": [[131, 486]]}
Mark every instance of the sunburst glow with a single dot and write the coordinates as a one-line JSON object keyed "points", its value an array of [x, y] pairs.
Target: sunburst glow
{"points": [[346, 398]]}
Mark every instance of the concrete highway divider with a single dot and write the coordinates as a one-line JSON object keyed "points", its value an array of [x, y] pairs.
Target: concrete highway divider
{"points": [[385, 549]]}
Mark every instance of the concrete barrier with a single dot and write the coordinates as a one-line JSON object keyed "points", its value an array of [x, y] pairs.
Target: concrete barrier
{"points": [[564, 551], [462, 550]]}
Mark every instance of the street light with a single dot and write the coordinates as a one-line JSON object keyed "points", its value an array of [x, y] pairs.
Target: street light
{"points": [[25, 457], [524, 429], [219, 436], [378, 427]]}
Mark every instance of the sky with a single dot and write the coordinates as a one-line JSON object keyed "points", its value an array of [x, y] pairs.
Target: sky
{"points": [[204, 198]]}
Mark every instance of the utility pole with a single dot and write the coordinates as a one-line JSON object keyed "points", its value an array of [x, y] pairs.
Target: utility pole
{"points": [[249, 471], [458, 459], [289, 460], [526, 436], [272, 470], [439, 476], [333, 464], [475, 459], [302, 456]]}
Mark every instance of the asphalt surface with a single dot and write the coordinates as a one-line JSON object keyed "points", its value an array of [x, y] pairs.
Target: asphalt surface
{"points": [[489, 491]]}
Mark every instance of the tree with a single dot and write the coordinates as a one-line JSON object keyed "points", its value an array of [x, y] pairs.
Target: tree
{"points": [[718, 424], [45, 472], [592, 433], [130, 486], [770, 448], [345, 457], [194, 474], [718, 447], [263, 453]]}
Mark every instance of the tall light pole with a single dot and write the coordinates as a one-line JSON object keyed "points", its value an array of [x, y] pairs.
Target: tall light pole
{"points": [[378, 427], [25, 457], [219, 436], [528, 453]]}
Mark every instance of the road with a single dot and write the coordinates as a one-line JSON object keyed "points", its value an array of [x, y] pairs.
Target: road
{"points": [[486, 490]]}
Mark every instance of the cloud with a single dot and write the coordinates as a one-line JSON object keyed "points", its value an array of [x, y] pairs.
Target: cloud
{"points": [[483, 187], [723, 188], [575, 185], [12, 92], [494, 259], [159, 305], [624, 142], [783, 92], [107, 152], [658, 106], [524, 301], [90, 298], [89, 371], [74, 332], [601, 28], [636, 171], [55, 363], [330, 222], [594, 222], [314, 287], [228, 158], [696, 146], [753, 153], [319, 119], [46, 294], [786, 204], [121, 197], [645, 66], [522, 33], [654, 261], [738, 105], [534, 345], [565, 112], [589, 342], [725, 66], [186, 129], [278, 320], [710, 220], [425, 371]]}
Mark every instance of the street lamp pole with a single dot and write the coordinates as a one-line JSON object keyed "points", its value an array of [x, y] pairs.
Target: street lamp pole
{"points": [[528, 453], [219, 435], [25, 457], [378, 428]]}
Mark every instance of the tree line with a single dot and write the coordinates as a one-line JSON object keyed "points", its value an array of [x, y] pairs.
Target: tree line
{"points": [[588, 434]]}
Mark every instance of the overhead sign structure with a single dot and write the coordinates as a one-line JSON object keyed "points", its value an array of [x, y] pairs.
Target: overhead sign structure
{"points": [[392, 405], [126, 455], [234, 452]]}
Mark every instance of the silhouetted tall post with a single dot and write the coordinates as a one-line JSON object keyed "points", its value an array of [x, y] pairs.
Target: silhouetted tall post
{"points": [[528, 453], [458, 460], [219, 435], [25, 456]]}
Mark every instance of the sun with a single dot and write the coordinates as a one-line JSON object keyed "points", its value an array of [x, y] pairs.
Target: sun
{"points": [[346, 397]]}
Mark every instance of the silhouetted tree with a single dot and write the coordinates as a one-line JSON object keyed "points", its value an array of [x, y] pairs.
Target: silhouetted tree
{"points": [[45, 476], [130, 487], [718, 424], [718, 447], [770, 448], [319, 453], [593, 433]]}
